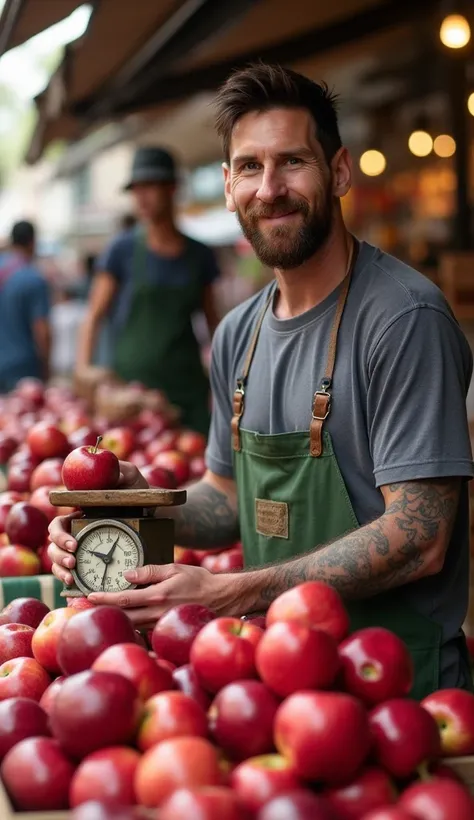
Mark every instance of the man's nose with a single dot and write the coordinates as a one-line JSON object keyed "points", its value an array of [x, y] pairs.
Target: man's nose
{"points": [[272, 186]]}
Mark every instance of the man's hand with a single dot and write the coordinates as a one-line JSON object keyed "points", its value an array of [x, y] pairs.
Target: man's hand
{"points": [[63, 546], [170, 585]]}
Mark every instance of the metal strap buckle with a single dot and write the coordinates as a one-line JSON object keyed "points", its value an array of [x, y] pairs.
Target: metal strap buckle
{"points": [[322, 393]]}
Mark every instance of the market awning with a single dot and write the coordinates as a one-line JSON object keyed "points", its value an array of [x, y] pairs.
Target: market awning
{"points": [[21, 20]]}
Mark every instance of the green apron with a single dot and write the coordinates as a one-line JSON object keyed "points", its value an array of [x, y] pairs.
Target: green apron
{"points": [[292, 497], [156, 345]]}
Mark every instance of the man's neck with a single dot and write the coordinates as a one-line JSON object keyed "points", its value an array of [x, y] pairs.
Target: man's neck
{"points": [[22, 252], [307, 286], [163, 235]]}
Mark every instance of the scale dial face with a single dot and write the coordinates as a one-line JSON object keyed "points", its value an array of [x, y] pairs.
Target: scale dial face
{"points": [[105, 550]]}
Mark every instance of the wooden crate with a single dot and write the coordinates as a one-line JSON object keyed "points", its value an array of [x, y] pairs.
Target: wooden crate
{"points": [[464, 767], [7, 812]]}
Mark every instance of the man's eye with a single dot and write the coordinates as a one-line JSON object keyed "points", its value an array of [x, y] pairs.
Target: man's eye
{"points": [[250, 166], [293, 161]]}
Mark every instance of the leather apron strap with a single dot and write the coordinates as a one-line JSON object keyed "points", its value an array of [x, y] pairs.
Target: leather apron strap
{"points": [[322, 398]]}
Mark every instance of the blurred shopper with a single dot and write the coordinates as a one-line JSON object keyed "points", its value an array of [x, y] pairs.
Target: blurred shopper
{"points": [[25, 336], [151, 281]]}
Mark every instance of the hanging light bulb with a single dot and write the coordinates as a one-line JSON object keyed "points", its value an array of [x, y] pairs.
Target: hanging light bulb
{"points": [[455, 31], [470, 104], [372, 163], [420, 143], [444, 146]]}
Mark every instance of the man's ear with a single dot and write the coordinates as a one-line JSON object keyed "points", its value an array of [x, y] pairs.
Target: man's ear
{"points": [[229, 199], [341, 166]]}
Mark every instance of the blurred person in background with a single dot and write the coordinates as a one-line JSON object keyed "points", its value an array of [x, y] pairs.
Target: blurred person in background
{"points": [[150, 282], [25, 335]]}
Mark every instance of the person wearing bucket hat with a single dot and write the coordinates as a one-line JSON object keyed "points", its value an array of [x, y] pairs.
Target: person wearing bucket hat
{"points": [[150, 282]]}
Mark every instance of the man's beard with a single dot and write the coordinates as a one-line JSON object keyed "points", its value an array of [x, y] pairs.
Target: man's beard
{"points": [[288, 246]]}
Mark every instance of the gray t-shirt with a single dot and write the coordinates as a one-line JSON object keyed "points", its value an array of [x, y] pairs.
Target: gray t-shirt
{"points": [[398, 413]]}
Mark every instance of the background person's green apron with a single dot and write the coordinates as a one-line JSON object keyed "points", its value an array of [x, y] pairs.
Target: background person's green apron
{"points": [[156, 344], [292, 497]]}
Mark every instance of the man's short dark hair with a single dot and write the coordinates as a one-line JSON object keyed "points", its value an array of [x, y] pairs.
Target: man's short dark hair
{"points": [[23, 234], [262, 87]]}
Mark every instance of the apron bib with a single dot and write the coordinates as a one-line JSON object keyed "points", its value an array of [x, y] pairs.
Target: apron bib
{"points": [[156, 345], [292, 498]]}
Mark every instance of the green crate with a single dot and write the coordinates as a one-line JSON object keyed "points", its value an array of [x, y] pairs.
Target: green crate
{"points": [[45, 588]]}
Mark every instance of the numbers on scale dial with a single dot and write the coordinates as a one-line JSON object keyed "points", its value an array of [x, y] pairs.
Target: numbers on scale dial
{"points": [[103, 555]]}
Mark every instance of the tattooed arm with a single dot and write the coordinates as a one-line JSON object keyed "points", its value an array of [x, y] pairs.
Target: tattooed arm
{"points": [[209, 517], [407, 542]]}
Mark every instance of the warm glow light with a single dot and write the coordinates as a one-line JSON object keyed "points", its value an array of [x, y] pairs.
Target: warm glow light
{"points": [[455, 31], [420, 143], [444, 146], [470, 104], [372, 163]]}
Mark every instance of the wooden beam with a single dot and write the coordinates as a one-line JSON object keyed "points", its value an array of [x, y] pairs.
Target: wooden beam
{"points": [[157, 86], [8, 20]]}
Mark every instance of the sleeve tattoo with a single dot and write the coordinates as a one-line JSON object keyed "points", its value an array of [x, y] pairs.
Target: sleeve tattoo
{"points": [[208, 519], [393, 550]]}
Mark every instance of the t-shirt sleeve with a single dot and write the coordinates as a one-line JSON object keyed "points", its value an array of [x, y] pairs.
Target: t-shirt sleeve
{"points": [[219, 453], [39, 301], [210, 268], [111, 260], [419, 373]]}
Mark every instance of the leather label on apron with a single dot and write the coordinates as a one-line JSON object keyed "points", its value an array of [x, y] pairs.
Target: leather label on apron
{"points": [[271, 518]]}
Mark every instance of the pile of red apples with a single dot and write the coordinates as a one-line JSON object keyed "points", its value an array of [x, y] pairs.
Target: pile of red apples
{"points": [[287, 717], [41, 427]]}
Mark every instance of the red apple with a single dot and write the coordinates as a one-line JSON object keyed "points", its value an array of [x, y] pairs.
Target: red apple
{"points": [[119, 440], [224, 651], [89, 468], [176, 630], [191, 444], [48, 697], [291, 657], [438, 800], [259, 779], [45, 640], [182, 762], [19, 476], [27, 611], [98, 810], [211, 803], [176, 463], [226, 561], [20, 718], [107, 774], [80, 603], [187, 681], [26, 525], [7, 500], [197, 467], [312, 604], [40, 499], [159, 477], [168, 715], [133, 662], [37, 775], [83, 437], [47, 474], [182, 555], [18, 561], [73, 419], [32, 390], [4, 541], [256, 620], [389, 813], [94, 710], [371, 789], [23, 678], [8, 446], [47, 441], [163, 443], [241, 719], [85, 637], [376, 665], [138, 458], [405, 736], [324, 735], [15, 641], [300, 804], [453, 711]]}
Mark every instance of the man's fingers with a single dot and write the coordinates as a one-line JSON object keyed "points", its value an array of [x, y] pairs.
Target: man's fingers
{"points": [[62, 575], [60, 556], [131, 477], [128, 599], [60, 531], [150, 574]]}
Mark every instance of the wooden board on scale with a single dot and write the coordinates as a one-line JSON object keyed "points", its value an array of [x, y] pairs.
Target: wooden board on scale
{"points": [[117, 498]]}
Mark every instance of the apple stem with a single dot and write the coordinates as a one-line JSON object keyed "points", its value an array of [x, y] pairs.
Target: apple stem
{"points": [[424, 773], [99, 439]]}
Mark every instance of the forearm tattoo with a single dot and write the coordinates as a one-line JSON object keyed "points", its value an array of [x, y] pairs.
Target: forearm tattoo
{"points": [[207, 520]]}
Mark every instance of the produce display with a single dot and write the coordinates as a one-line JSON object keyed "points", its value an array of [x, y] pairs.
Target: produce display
{"points": [[51, 439], [220, 718]]}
